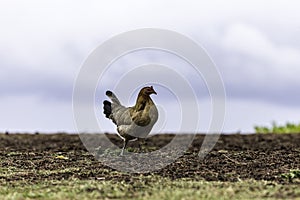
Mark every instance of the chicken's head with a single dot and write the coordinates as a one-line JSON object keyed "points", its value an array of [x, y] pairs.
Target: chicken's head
{"points": [[148, 90]]}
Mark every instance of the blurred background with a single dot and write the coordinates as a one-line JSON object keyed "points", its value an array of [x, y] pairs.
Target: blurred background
{"points": [[255, 46]]}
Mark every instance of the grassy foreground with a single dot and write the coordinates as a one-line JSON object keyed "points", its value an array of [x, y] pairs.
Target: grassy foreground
{"points": [[149, 187], [58, 166]]}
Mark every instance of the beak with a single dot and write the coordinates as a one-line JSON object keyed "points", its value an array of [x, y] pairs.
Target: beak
{"points": [[153, 91]]}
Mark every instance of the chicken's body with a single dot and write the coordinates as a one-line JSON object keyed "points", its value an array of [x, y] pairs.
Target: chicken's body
{"points": [[132, 122]]}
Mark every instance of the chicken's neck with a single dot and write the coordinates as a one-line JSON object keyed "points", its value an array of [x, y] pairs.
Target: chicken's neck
{"points": [[141, 102]]}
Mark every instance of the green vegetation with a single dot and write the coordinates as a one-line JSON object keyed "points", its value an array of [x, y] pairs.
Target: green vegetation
{"points": [[292, 175], [147, 187], [139, 187], [287, 128]]}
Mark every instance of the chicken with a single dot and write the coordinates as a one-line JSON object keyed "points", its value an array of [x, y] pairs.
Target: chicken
{"points": [[132, 122]]}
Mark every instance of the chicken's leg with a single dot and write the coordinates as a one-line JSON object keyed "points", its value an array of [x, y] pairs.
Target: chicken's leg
{"points": [[124, 146]]}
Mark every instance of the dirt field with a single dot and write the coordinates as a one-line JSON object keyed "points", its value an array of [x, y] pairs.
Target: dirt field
{"points": [[36, 158]]}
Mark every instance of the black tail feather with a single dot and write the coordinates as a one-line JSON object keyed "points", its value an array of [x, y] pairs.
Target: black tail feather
{"points": [[106, 108]]}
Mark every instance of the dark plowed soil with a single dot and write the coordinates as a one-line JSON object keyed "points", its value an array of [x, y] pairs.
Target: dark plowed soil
{"points": [[234, 157]]}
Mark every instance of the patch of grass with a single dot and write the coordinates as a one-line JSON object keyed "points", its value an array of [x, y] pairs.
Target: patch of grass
{"points": [[52, 167], [278, 129], [292, 175], [147, 187]]}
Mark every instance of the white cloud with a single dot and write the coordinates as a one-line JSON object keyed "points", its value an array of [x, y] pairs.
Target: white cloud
{"points": [[247, 40], [256, 45], [244, 115], [28, 113], [256, 67]]}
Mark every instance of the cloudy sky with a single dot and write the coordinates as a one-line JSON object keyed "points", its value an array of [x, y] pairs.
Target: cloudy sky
{"points": [[43, 44]]}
